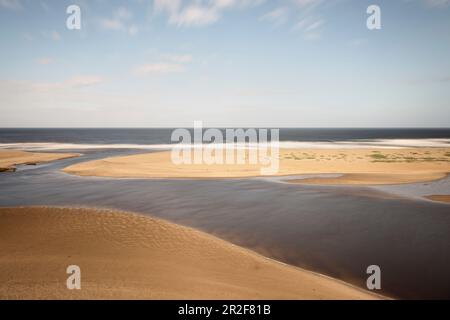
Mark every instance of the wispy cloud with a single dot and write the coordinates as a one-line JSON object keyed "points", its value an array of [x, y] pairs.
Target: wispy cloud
{"points": [[315, 25], [120, 21], [277, 16], [171, 63], [310, 22], [307, 3], [302, 15], [198, 13], [309, 27]]}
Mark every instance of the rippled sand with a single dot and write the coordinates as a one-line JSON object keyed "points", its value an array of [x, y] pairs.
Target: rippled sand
{"points": [[124, 255]]}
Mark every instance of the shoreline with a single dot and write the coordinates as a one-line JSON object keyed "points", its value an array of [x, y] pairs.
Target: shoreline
{"points": [[123, 254], [371, 179], [365, 166], [9, 159], [443, 198]]}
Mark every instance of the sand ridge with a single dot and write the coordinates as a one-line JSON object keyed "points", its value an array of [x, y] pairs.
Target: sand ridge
{"points": [[368, 165], [124, 256], [10, 158], [439, 197]]}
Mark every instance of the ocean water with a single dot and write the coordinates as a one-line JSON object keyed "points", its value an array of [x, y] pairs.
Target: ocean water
{"points": [[141, 138], [337, 231]]}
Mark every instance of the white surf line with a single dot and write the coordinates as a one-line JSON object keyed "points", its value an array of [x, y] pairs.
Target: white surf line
{"points": [[380, 143]]}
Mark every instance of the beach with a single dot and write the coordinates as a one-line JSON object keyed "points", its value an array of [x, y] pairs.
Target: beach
{"points": [[358, 165], [11, 158], [333, 209], [123, 255], [225, 150]]}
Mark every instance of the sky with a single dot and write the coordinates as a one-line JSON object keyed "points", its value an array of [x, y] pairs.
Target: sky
{"points": [[228, 63]]}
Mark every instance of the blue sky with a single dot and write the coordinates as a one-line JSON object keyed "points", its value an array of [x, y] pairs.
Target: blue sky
{"points": [[263, 63]]}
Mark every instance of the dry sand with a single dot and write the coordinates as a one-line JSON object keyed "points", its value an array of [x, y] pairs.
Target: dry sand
{"points": [[366, 166], [124, 255], [10, 158]]}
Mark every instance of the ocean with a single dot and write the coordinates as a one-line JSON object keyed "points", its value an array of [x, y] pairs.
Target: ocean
{"points": [[336, 231], [145, 137]]}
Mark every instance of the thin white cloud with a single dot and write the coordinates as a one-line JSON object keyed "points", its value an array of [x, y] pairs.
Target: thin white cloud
{"points": [[169, 63], [277, 16], [120, 21], [307, 3], [315, 25], [198, 13], [305, 12], [308, 24], [309, 27]]}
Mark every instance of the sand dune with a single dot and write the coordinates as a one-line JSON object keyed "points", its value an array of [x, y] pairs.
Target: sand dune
{"points": [[124, 255], [367, 166], [10, 158]]}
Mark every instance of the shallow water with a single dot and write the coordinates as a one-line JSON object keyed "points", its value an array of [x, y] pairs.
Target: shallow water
{"points": [[338, 231]]}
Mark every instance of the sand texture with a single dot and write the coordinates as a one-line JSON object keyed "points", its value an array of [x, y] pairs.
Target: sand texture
{"points": [[364, 166], [124, 256]]}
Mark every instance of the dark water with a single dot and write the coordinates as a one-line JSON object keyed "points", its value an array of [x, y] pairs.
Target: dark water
{"points": [[335, 231], [162, 136]]}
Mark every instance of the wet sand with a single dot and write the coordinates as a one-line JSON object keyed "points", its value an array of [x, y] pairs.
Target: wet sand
{"points": [[439, 197], [367, 166], [124, 255], [372, 179], [10, 158]]}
